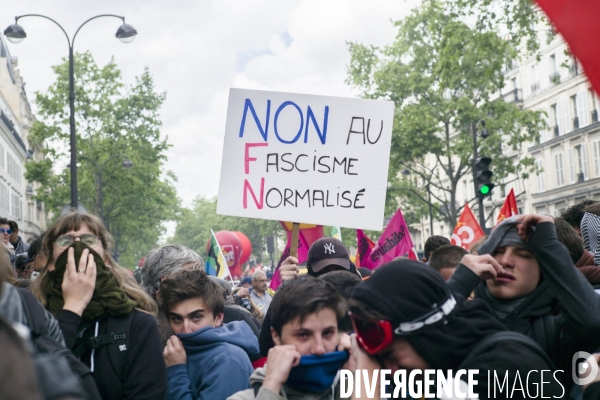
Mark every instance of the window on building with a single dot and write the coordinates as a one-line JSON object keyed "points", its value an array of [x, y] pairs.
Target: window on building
{"points": [[575, 114], [558, 167], [571, 166], [554, 119], [593, 105], [540, 175], [596, 145], [2, 164], [582, 165], [552, 63]]}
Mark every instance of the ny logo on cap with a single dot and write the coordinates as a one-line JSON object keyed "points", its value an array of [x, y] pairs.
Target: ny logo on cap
{"points": [[329, 248]]}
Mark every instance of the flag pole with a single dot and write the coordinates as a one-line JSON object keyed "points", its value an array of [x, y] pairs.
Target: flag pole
{"points": [[223, 257], [294, 240]]}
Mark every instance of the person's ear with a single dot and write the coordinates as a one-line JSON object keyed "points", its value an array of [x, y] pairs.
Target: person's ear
{"points": [[276, 338], [219, 320]]}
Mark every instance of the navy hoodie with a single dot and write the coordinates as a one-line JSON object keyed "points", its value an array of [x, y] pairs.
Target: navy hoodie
{"points": [[218, 363]]}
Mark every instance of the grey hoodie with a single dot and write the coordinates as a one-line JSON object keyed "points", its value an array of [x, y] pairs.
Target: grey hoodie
{"points": [[286, 393]]}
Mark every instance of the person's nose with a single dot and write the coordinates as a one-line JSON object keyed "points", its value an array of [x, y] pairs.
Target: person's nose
{"points": [[187, 326], [507, 259], [318, 346]]}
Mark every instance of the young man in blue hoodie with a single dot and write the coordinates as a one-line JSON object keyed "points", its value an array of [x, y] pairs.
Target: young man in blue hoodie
{"points": [[205, 359]]}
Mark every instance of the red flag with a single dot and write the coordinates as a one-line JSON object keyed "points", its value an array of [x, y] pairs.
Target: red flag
{"points": [[365, 246], [412, 255], [509, 208], [467, 229], [394, 242], [577, 22]]}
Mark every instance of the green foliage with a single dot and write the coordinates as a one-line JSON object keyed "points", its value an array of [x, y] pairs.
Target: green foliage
{"points": [[517, 19], [113, 124], [442, 75], [193, 228]]}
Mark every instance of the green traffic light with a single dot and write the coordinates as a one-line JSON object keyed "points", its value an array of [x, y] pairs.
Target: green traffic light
{"points": [[485, 189]]}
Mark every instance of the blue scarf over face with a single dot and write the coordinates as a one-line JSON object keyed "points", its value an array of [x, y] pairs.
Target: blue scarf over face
{"points": [[316, 373]]}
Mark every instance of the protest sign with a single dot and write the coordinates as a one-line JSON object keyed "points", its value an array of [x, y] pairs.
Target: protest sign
{"points": [[312, 159]]}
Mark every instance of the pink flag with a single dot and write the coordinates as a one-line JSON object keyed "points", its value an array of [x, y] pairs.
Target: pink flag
{"points": [[394, 242], [365, 246], [302, 257]]}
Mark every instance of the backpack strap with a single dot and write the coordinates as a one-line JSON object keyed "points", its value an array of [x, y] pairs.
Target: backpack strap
{"points": [[511, 336], [118, 342], [34, 313]]}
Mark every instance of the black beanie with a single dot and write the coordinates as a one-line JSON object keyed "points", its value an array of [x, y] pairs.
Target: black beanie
{"points": [[403, 291]]}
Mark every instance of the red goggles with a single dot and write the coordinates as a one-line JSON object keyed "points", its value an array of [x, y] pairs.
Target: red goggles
{"points": [[372, 335]]}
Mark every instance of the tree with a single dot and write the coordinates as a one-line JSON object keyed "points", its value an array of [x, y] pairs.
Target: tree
{"points": [[444, 77], [114, 124], [193, 229]]}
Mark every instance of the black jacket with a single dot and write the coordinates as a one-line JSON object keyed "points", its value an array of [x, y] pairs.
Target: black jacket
{"points": [[145, 375], [577, 328]]}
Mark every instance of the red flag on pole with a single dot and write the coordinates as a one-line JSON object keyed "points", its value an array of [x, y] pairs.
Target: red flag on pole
{"points": [[577, 22], [509, 208], [467, 229]]}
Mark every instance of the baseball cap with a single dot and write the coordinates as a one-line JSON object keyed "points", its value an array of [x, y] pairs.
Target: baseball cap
{"points": [[246, 279], [327, 251]]}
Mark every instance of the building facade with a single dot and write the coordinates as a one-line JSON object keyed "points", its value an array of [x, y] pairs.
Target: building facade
{"points": [[16, 118], [567, 155]]}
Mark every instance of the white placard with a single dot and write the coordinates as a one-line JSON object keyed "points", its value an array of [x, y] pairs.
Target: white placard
{"points": [[303, 158]]}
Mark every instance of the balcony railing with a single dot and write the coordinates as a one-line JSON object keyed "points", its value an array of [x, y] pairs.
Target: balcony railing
{"points": [[535, 87], [594, 115], [514, 96], [556, 131], [555, 78], [576, 123]]}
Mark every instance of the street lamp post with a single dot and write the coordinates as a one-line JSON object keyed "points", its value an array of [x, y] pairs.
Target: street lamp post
{"points": [[484, 134], [98, 172], [15, 34]]}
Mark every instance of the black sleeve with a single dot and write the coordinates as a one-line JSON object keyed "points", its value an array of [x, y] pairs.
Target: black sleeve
{"points": [[265, 340], [69, 325], [523, 370], [145, 373], [580, 305], [463, 281], [592, 392]]}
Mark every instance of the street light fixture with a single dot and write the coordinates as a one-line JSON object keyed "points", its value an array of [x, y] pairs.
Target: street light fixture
{"points": [[15, 34]]}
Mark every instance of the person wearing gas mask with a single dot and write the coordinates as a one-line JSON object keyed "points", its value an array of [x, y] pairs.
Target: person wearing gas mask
{"points": [[305, 362]]}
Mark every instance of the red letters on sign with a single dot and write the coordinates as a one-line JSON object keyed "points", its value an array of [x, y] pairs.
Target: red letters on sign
{"points": [[247, 187], [247, 160]]}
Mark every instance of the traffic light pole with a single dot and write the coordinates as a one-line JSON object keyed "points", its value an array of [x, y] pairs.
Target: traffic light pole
{"points": [[479, 198]]}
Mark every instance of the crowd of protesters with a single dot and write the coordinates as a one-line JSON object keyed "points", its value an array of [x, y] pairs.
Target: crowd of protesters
{"points": [[76, 325]]}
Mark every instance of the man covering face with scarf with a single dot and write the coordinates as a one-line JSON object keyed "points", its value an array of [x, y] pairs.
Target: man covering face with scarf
{"points": [[525, 274]]}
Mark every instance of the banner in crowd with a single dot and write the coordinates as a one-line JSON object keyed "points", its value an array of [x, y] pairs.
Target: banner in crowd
{"points": [[305, 158], [509, 208], [364, 247], [577, 22], [467, 230], [395, 241], [215, 261]]}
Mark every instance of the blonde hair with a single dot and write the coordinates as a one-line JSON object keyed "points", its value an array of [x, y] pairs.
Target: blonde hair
{"points": [[74, 221]]}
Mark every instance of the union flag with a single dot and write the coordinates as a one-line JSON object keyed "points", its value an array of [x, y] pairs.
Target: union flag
{"points": [[467, 230], [509, 208]]}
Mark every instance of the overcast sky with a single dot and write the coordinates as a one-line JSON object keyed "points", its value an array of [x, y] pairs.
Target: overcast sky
{"points": [[198, 50]]}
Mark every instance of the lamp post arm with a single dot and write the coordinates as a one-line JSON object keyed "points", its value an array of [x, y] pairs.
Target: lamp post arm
{"points": [[48, 18], [97, 16]]}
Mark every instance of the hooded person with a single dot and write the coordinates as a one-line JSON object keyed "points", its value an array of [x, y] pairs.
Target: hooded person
{"points": [[205, 359], [524, 274], [406, 318]]}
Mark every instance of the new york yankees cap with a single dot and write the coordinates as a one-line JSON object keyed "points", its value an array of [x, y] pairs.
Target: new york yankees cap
{"points": [[327, 251]]}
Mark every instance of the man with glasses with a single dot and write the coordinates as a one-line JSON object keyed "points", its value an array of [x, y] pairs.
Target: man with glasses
{"points": [[260, 294]]}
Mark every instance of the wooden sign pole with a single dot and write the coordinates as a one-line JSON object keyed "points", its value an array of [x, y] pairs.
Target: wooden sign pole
{"points": [[294, 243]]}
